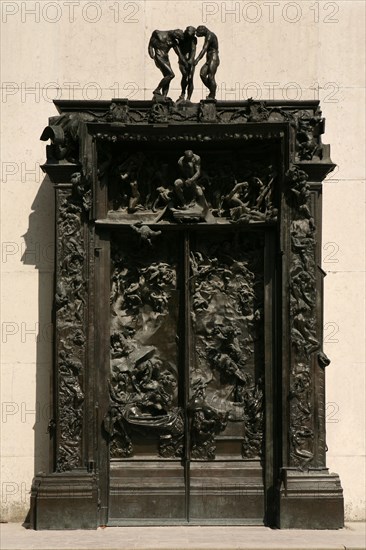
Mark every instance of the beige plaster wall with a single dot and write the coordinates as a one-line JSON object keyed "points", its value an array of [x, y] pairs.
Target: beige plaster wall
{"points": [[97, 49]]}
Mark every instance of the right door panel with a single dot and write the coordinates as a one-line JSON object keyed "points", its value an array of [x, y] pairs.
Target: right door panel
{"points": [[226, 377]]}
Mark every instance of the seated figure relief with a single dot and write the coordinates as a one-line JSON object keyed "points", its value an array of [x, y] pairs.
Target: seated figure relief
{"points": [[145, 187]]}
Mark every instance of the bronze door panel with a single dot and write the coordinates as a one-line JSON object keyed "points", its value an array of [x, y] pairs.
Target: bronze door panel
{"points": [[186, 419], [226, 377]]}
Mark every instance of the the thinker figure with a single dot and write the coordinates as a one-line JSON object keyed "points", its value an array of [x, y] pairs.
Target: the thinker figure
{"points": [[208, 70], [186, 188], [187, 47], [159, 46]]}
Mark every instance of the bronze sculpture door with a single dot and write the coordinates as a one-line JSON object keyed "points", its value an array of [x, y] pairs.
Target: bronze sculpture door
{"points": [[186, 418], [198, 395]]}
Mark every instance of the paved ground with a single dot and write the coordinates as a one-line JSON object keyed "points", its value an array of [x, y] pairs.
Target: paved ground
{"points": [[14, 537]]}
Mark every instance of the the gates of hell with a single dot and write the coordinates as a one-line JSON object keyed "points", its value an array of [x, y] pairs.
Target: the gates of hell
{"points": [[189, 370]]}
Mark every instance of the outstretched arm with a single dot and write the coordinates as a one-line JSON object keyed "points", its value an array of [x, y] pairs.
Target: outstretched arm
{"points": [[193, 53], [151, 47], [204, 49], [180, 55], [236, 189]]}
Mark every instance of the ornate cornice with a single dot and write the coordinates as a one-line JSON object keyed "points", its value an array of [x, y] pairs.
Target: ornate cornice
{"points": [[106, 119]]}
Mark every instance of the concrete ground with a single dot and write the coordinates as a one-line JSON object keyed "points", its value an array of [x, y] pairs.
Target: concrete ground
{"points": [[14, 537]]}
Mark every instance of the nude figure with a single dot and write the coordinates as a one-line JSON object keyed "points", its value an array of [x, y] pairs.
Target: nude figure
{"points": [[187, 47], [211, 49], [190, 167], [159, 46]]}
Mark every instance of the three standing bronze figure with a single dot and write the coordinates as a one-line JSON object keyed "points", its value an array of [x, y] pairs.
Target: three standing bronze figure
{"points": [[184, 43]]}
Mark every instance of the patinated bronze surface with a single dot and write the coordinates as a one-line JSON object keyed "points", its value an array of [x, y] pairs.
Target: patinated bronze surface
{"points": [[189, 369], [184, 45]]}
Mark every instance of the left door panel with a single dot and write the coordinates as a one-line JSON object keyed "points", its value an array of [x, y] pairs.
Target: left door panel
{"points": [[145, 422]]}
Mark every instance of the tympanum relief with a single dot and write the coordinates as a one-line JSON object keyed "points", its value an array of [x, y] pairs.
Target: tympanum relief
{"points": [[197, 186]]}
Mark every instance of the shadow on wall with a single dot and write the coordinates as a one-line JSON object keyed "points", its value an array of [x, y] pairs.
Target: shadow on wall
{"points": [[39, 251]]}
